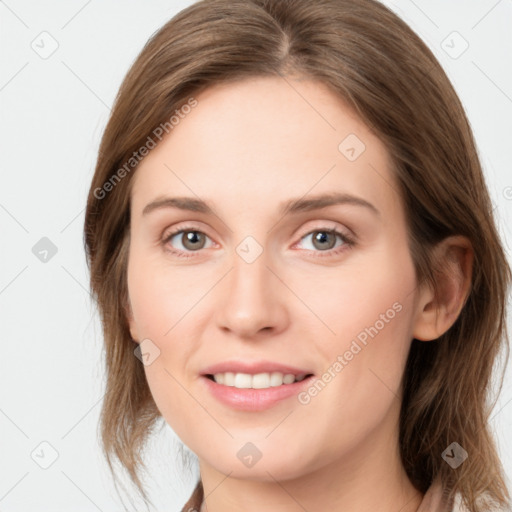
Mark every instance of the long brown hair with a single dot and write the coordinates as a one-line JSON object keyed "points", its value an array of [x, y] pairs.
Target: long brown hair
{"points": [[368, 56]]}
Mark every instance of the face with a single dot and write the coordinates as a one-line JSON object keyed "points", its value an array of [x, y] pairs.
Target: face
{"points": [[285, 255]]}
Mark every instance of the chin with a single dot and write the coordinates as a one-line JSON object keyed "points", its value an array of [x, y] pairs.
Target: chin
{"points": [[270, 466]]}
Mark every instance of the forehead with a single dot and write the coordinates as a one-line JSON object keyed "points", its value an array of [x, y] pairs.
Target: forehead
{"points": [[263, 139]]}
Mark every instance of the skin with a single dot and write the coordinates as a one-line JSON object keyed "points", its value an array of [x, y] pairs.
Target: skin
{"points": [[245, 148]]}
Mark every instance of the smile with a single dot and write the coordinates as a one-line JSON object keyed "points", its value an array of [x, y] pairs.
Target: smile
{"points": [[257, 381], [274, 388]]}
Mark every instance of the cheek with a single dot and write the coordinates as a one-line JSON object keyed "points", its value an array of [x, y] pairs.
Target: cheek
{"points": [[369, 300], [369, 315], [163, 305], [364, 361], [160, 299]]}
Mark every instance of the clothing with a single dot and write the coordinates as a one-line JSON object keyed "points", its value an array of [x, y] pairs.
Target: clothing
{"points": [[432, 500]]}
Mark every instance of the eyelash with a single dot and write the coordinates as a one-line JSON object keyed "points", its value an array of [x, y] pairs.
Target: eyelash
{"points": [[348, 241]]}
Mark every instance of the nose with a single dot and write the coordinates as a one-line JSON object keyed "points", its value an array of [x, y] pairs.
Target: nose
{"points": [[252, 299]]}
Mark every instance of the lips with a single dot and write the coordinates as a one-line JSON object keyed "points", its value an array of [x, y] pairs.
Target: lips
{"points": [[254, 385], [250, 398]]}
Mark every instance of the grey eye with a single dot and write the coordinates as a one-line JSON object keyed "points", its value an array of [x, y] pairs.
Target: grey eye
{"points": [[324, 239], [190, 240]]}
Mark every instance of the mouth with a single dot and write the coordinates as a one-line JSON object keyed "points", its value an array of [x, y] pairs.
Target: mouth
{"points": [[253, 389], [254, 385], [264, 380]]}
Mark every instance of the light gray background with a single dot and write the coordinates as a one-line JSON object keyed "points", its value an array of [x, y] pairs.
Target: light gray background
{"points": [[53, 112]]}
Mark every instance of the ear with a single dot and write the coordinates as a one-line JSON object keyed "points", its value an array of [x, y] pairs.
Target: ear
{"points": [[437, 312], [131, 321]]}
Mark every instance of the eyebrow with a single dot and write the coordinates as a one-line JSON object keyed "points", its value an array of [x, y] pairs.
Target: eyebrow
{"points": [[285, 208]]}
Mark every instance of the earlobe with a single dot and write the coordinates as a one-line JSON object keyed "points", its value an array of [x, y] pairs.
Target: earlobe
{"points": [[437, 310]]}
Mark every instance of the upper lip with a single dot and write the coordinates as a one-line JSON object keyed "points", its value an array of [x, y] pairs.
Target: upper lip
{"points": [[253, 367]]}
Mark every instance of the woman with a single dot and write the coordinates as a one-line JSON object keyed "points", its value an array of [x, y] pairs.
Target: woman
{"points": [[292, 248]]}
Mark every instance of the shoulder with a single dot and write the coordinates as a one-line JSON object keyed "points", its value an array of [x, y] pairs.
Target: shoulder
{"points": [[436, 500]]}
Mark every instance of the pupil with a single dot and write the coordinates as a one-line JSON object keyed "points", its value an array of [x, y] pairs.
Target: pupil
{"points": [[192, 237], [322, 236]]}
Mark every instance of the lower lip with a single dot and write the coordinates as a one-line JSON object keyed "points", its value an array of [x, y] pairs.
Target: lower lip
{"points": [[249, 399]]}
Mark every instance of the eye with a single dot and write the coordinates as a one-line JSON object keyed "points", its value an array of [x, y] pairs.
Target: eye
{"points": [[325, 239], [185, 240]]}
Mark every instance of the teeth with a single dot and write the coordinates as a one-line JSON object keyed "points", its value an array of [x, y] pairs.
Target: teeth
{"points": [[257, 381]]}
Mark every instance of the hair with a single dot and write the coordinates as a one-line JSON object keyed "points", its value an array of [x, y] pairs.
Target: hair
{"points": [[374, 61]]}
